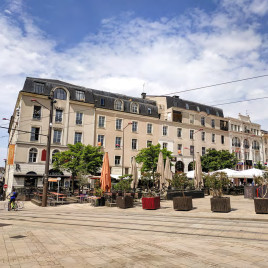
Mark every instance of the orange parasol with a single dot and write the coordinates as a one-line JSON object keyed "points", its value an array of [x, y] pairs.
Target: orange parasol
{"points": [[105, 179]]}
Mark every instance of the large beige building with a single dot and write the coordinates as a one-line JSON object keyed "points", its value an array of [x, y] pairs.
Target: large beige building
{"points": [[122, 125]]}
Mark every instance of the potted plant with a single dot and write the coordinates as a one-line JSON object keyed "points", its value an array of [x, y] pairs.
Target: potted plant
{"points": [[261, 203], [216, 182], [181, 182], [124, 185], [100, 200], [149, 199]]}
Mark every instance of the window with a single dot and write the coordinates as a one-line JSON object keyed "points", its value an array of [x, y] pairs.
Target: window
{"points": [[57, 135], [203, 121], [197, 108], [39, 88], [134, 108], [164, 131], [118, 124], [80, 95], [149, 111], [60, 94], [191, 150], [222, 139], [255, 145], [35, 133], [203, 134], [149, 143], [118, 105], [37, 112], [217, 113], [179, 132], [58, 116], [53, 154], [149, 128], [191, 134], [77, 137], [187, 106], [213, 123], [134, 126], [191, 119], [79, 118], [101, 121], [165, 145], [207, 110], [32, 155], [246, 144], [102, 102], [179, 149], [236, 142], [117, 142], [203, 150], [134, 144], [177, 116], [213, 137], [117, 160], [100, 140]]}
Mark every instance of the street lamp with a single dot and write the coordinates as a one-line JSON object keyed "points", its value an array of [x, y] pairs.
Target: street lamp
{"points": [[45, 183], [123, 147]]}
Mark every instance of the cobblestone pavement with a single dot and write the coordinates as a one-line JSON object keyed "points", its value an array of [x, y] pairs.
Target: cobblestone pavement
{"points": [[79, 235]]}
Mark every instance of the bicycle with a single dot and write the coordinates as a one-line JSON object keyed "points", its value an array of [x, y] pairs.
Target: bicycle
{"points": [[17, 205]]}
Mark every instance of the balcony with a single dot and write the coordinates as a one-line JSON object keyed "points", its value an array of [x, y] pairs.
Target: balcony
{"points": [[236, 144], [246, 146]]}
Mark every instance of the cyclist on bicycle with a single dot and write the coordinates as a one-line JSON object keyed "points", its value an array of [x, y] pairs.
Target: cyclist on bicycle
{"points": [[13, 195]]}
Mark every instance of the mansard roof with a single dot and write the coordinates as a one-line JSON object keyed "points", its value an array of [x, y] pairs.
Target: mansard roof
{"points": [[175, 101], [94, 96]]}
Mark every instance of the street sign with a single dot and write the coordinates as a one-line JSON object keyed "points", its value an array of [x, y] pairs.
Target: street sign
{"points": [[5, 186]]}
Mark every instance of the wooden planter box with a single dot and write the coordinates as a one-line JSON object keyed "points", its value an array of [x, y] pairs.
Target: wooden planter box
{"points": [[183, 203], [220, 204], [261, 205], [124, 202], [151, 202]]}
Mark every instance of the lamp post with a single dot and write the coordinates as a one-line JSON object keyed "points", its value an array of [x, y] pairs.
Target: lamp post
{"points": [[123, 147], [45, 183]]}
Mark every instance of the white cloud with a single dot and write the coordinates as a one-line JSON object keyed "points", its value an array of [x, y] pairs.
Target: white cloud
{"points": [[171, 54]]}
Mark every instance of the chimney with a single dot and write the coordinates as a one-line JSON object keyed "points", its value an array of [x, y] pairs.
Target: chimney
{"points": [[143, 95]]}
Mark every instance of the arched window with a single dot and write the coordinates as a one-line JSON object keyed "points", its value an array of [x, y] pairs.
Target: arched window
{"points": [[179, 166], [60, 94], [33, 155], [53, 154], [246, 144], [236, 142], [134, 107], [255, 145], [190, 166], [118, 105]]}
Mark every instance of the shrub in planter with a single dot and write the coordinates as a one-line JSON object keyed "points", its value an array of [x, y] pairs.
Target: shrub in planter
{"points": [[181, 182], [216, 182], [261, 203]]}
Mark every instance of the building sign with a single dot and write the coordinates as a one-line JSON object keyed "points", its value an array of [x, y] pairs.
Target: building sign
{"points": [[11, 152]]}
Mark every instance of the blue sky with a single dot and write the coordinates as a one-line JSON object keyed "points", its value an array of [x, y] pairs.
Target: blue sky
{"points": [[120, 45]]}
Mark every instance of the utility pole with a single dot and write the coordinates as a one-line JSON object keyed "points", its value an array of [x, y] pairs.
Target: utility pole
{"points": [[45, 184]]}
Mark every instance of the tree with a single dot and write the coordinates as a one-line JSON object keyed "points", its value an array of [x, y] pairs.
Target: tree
{"points": [[79, 158], [149, 157], [259, 165], [214, 160]]}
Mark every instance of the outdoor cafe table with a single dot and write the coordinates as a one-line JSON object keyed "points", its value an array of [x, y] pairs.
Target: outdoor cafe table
{"points": [[59, 196], [82, 197]]}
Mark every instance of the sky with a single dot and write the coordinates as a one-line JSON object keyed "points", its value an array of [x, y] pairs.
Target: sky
{"points": [[126, 46]]}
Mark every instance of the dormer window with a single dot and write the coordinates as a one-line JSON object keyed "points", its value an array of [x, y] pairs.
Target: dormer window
{"points": [[149, 111], [102, 102], [197, 108], [134, 108], [217, 113], [80, 95], [118, 105], [207, 110], [39, 88], [60, 94], [187, 106]]}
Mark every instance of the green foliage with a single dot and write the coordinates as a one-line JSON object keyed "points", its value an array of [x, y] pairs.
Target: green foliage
{"points": [[81, 158], [82, 179], [180, 181], [149, 157], [215, 182], [124, 184], [259, 166], [214, 160], [148, 178], [98, 192]]}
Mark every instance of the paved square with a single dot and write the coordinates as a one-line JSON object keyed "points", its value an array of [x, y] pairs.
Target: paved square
{"points": [[79, 235]]}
